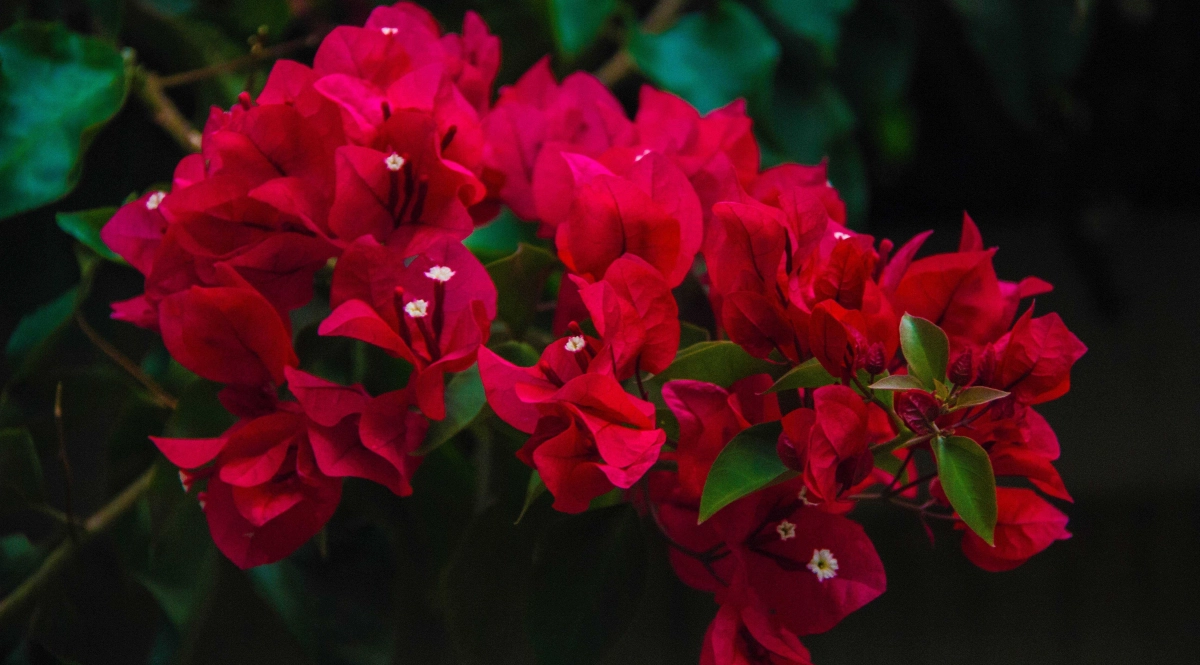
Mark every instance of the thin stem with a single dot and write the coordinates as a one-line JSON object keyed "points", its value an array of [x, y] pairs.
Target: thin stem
{"points": [[903, 468], [637, 372], [661, 16], [900, 490], [21, 601], [149, 89], [255, 56], [68, 477], [161, 396]]}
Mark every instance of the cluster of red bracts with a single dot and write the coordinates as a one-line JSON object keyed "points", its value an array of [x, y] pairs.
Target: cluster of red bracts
{"points": [[388, 152]]}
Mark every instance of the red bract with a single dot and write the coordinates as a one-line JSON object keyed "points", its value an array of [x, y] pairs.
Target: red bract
{"points": [[227, 334], [1026, 525], [514, 392], [265, 494], [1034, 359], [434, 310], [645, 207], [636, 316], [828, 445], [354, 434], [591, 437], [743, 633], [536, 115]]}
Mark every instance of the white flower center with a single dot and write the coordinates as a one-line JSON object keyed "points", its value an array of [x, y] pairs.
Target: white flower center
{"points": [[786, 530], [575, 344], [840, 236], [641, 155], [416, 308], [803, 496], [440, 273], [389, 31], [394, 162], [155, 199], [823, 565]]}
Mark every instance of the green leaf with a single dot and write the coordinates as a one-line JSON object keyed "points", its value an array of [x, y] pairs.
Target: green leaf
{"points": [[21, 481], [577, 23], [966, 475], [518, 353], [588, 574], [520, 279], [199, 413], [464, 401], [501, 237], [898, 382], [38, 331], [533, 491], [667, 422], [747, 463], [816, 20], [926, 349], [722, 363], [711, 58], [85, 226], [976, 395], [57, 89], [691, 334], [808, 374]]}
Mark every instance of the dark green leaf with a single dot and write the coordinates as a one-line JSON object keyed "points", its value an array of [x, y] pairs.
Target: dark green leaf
{"points": [[711, 58], [57, 90], [747, 463], [518, 353], [85, 226], [464, 400], [520, 280], [533, 491], [20, 469], [691, 334], [588, 575], [577, 23], [501, 237], [925, 348], [898, 382], [667, 422], [966, 475], [816, 20], [38, 331], [977, 395], [808, 374], [722, 363], [199, 413]]}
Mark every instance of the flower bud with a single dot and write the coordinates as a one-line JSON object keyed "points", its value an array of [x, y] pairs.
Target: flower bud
{"points": [[961, 369], [917, 409], [875, 361]]}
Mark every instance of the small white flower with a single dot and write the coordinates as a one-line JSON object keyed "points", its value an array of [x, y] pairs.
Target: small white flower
{"points": [[803, 496], [823, 565], [183, 480], [641, 155], [840, 236], [786, 530], [389, 31], [155, 199], [575, 344], [440, 273], [416, 308], [394, 162]]}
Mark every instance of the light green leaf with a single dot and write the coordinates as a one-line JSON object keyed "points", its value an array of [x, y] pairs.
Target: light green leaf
{"points": [[712, 57], [898, 382], [967, 478], [57, 89], [808, 374], [500, 237], [464, 401], [577, 23], [520, 279], [747, 463], [85, 226], [926, 349], [533, 491], [976, 395]]}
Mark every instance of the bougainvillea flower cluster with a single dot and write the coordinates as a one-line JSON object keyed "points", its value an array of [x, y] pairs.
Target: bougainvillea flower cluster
{"points": [[846, 366]]}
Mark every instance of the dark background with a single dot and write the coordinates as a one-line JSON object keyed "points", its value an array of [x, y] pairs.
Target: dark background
{"points": [[1082, 168]]}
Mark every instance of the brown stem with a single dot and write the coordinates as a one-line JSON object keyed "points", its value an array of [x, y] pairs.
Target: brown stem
{"points": [[255, 56], [661, 16], [22, 600], [149, 89], [161, 396]]}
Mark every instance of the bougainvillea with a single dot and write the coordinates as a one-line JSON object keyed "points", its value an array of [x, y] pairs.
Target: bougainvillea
{"points": [[843, 368]]}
